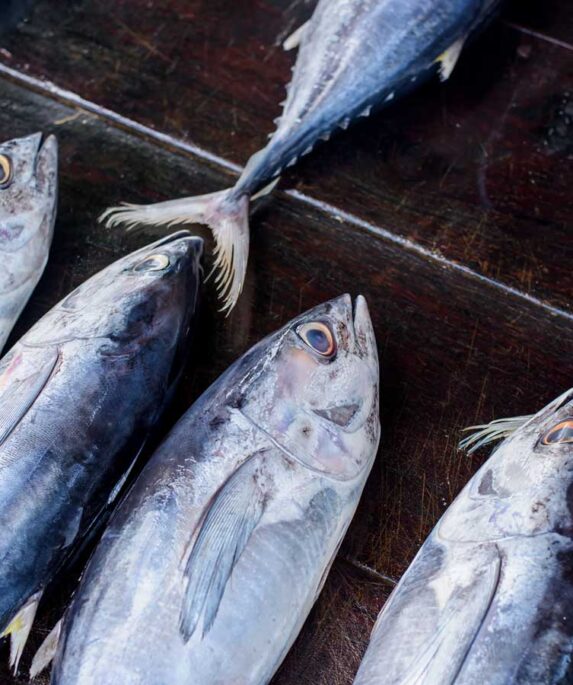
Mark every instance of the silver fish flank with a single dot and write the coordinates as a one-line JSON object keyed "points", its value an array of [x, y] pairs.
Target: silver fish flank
{"points": [[28, 198], [214, 559], [489, 597]]}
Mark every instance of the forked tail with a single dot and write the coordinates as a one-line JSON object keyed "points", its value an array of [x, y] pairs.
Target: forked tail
{"points": [[226, 214]]}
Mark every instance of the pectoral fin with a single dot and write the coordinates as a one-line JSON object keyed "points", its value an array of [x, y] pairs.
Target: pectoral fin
{"points": [[19, 628], [449, 58], [45, 655], [19, 391], [225, 530], [294, 40]]}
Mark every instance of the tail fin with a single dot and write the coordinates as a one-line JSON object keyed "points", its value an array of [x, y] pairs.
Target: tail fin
{"points": [[226, 214], [487, 433]]}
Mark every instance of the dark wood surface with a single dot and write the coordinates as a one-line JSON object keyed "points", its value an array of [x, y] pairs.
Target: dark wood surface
{"points": [[450, 212]]}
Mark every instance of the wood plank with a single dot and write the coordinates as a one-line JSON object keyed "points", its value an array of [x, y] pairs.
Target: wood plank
{"points": [[476, 170], [454, 348]]}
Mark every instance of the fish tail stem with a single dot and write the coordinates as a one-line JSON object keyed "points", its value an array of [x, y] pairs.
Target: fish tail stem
{"points": [[227, 215]]}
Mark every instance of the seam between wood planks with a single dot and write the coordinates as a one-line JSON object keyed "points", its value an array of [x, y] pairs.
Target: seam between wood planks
{"points": [[71, 99]]}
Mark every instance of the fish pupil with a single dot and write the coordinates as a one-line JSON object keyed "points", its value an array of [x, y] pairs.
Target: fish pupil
{"points": [[318, 340]]}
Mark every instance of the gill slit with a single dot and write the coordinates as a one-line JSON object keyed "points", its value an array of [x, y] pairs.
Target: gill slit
{"points": [[287, 453]]}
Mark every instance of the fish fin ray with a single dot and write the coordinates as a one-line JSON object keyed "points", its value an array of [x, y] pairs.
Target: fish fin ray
{"points": [[19, 629], [19, 394], [295, 38], [47, 651], [226, 214], [449, 58], [228, 523], [487, 433], [439, 630]]}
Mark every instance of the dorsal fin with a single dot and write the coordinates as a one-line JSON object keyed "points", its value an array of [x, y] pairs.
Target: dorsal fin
{"points": [[223, 534]]}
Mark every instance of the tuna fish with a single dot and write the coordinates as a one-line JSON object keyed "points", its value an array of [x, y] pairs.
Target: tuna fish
{"points": [[211, 564], [79, 395], [28, 193], [489, 597], [354, 55]]}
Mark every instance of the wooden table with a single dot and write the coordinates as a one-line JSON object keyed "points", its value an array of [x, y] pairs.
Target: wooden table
{"points": [[451, 212]]}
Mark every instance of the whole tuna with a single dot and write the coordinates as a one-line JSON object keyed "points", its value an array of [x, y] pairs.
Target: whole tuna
{"points": [[489, 597], [212, 562], [28, 193], [79, 394], [354, 54]]}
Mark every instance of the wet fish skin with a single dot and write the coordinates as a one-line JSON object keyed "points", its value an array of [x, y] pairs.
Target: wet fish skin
{"points": [[489, 597], [354, 55], [79, 394], [249, 497], [27, 214]]}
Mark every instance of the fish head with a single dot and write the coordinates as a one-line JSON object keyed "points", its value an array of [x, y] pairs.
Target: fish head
{"points": [[143, 300], [28, 190], [526, 487], [538, 453], [314, 390]]}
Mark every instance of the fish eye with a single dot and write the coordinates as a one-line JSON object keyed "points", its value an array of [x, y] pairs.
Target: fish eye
{"points": [[559, 434], [319, 337], [155, 262], [5, 171]]}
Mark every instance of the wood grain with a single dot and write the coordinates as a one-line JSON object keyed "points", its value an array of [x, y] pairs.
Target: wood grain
{"points": [[451, 213]]}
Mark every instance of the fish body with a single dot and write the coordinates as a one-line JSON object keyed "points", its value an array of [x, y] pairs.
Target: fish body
{"points": [[354, 55], [489, 597], [79, 395], [28, 199], [211, 564]]}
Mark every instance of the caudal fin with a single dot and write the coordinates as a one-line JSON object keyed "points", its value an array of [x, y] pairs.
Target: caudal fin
{"points": [[226, 214]]}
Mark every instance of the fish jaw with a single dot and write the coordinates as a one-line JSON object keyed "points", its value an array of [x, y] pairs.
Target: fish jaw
{"points": [[27, 215]]}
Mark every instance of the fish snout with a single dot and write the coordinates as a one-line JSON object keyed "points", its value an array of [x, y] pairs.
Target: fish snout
{"points": [[364, 333], [46, 164]]}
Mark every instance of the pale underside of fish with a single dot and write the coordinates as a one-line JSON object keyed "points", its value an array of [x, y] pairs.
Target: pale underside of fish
{"points": [[79, 395], [489, 597], [28, 199], [354, 55], [211, 564]]}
